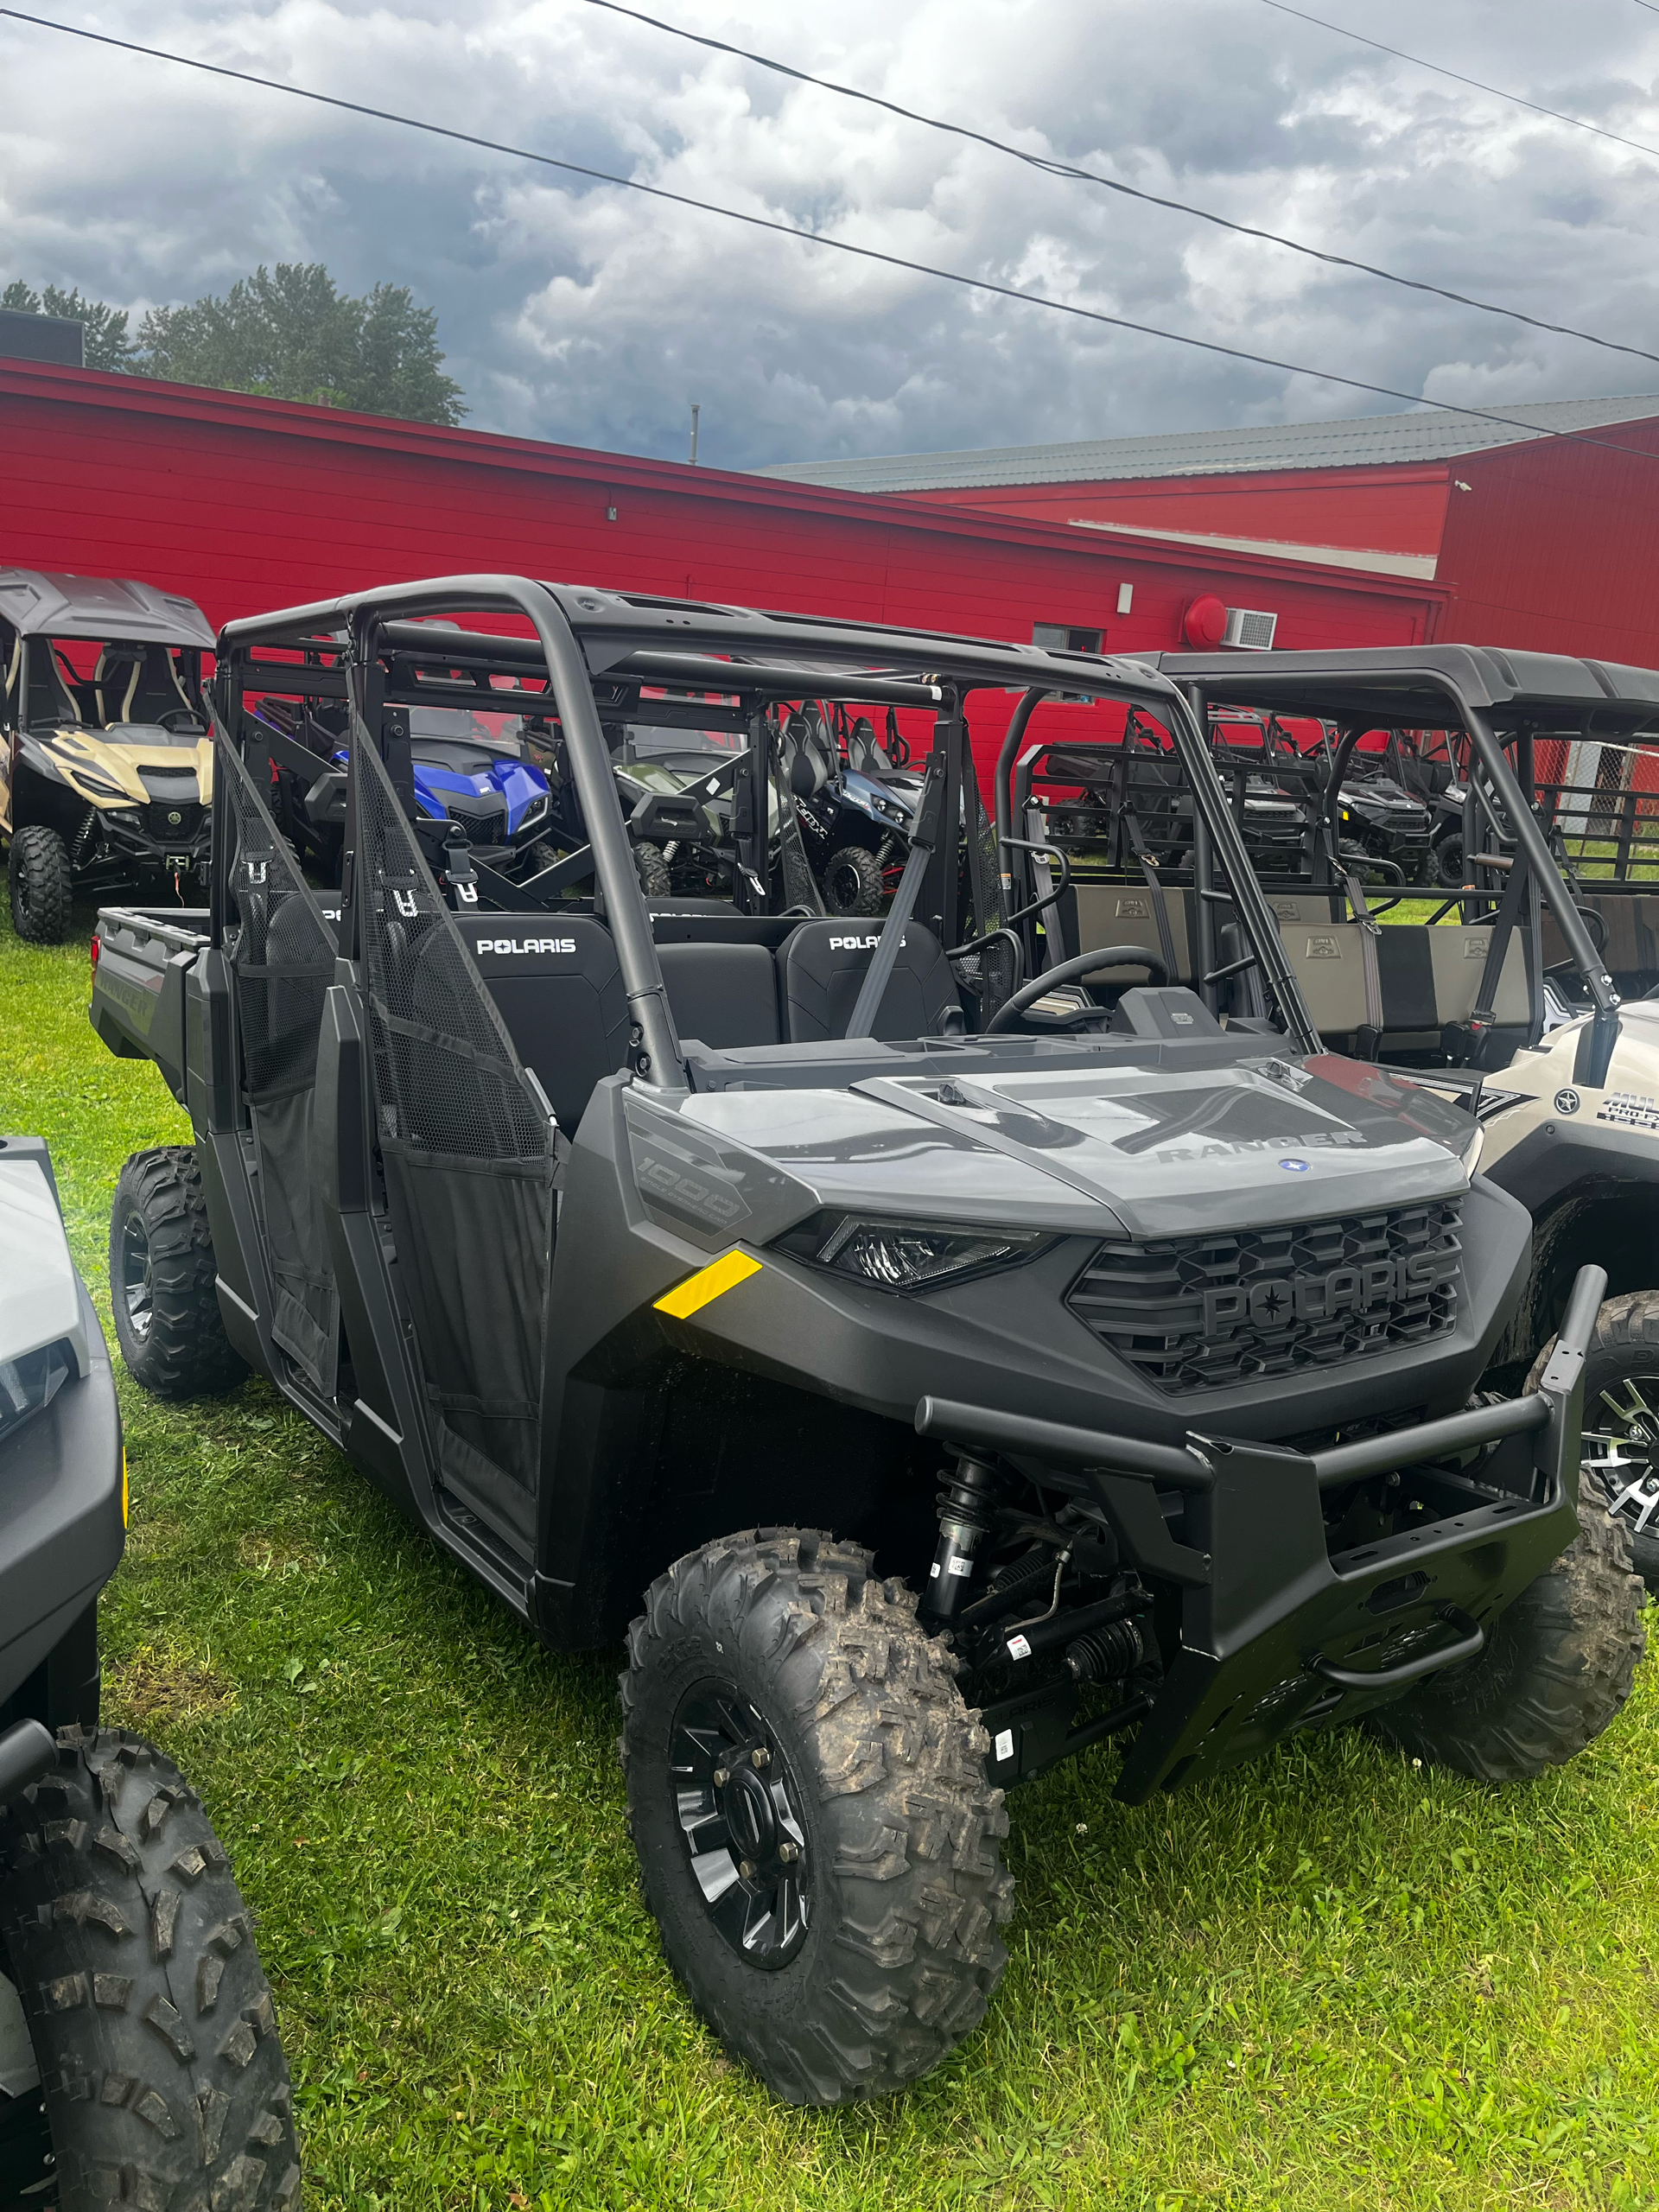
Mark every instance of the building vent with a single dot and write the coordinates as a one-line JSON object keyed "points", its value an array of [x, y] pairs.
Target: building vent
{"points": [[1249, 629]]}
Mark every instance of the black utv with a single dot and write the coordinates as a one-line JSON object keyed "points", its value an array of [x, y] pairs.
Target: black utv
{"points": [[930, 1371], [139, 2059], [105, 764]]}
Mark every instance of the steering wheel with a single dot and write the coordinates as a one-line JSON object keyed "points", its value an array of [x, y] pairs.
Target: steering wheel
{"points": [[175, 715], [1071, 971]]}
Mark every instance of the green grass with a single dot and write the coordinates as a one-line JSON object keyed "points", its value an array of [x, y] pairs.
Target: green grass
{"points": [[1334, 1979]]}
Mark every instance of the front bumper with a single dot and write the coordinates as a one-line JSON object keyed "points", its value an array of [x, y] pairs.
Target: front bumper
{"points": [[1277, 1631], [128, 844]]}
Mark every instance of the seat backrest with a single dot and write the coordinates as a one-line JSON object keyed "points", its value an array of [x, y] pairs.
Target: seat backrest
{"points": [[1459, 961], [1123, 913], [863, 751], [722, 995], [49, 695], [558, 988], [1327, 959], [138, 684], [823, 966]]}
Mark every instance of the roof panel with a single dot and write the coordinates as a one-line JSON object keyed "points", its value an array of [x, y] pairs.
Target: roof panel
{"points": [[1360, 441]]}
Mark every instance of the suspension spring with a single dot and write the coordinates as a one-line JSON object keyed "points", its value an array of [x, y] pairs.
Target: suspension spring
{"points": [[966, 1514]]}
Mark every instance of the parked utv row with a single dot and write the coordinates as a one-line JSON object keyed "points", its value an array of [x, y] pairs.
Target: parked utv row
{"points": [[936, 1344]]}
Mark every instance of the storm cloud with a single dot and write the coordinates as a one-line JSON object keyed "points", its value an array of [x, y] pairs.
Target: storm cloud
{"points": [[591, 315]]}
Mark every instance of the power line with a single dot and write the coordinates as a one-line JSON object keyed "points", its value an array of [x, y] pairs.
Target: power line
{"points": [[814, 238], [1497, 92], [1070, 172]]}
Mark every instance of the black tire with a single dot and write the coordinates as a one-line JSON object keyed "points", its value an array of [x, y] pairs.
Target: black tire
{"points": [[851, 880], [1447, 857], [151, 2021], [167, 1316], [886, 1950], [41, 884], [1557, 1667], [655, 879], [1621, 1417]]}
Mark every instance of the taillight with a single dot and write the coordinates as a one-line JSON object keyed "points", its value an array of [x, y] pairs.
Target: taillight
{"points": [[97, 946]]}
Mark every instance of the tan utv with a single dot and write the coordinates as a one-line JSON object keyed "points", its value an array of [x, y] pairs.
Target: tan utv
{"points": [[106, 762]]}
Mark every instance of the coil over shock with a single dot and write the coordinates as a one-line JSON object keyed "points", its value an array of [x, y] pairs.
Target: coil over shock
{"points": [[966, 1505], [1106, 1654]]}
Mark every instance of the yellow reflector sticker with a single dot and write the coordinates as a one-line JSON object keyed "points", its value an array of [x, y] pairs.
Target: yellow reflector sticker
{"points": [[708, 1283], [125, 1499]]}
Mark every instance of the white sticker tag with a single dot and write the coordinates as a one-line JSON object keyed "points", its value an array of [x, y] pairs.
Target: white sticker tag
{"points": [[934, 1571], [1004, 1745], [960, 1565], [1018, 1647]]}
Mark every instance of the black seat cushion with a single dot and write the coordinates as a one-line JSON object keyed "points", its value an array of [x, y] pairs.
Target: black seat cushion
{"points": [[722, 995], [823, 965], [558, 988]]}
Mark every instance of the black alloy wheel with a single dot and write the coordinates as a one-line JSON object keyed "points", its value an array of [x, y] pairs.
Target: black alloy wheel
{"points": [[1621, 1438], [132, 1285], [737, 1804]]}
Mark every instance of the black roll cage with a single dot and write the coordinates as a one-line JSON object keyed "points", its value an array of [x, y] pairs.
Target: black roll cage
{"points": [[587, 638]]}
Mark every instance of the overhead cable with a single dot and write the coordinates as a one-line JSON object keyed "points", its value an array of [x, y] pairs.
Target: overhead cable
{"points": [[816, 237], [1578, 122], [1072, 173]]}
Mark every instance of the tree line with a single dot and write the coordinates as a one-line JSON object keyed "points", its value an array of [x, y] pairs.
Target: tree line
{"points": [[288, 333]]}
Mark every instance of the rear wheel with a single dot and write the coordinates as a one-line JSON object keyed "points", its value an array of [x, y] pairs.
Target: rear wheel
{"points": [[1557, 1666], [655, 879], [148, 2018], [852, 881], [808, 1797], [41, 884], [1621, 1417], [1449, 862], [162, 1273]]}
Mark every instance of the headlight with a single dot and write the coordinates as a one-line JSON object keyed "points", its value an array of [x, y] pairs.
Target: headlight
{"points": [[907, 1255], [99, 787], [534, 811], [30, 1385]]}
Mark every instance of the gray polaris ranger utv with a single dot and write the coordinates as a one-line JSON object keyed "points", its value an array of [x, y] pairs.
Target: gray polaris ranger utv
{"points": [[139, 2061], [931, 1375]]}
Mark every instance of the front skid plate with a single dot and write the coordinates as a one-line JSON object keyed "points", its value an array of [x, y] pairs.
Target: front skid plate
{"points": [[1276, 1601]]}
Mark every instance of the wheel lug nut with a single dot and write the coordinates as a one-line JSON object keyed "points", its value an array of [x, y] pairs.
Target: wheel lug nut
{"points": [[746, 1868], [788, 1853], [720, 1777], [760, 1758]]}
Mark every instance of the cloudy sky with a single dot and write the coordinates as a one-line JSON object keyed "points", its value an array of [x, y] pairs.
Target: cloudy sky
{"points": [[592, 315]]}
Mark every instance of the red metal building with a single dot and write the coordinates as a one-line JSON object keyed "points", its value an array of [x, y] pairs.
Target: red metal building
{"points": [[1544, 535], [250, 504]]}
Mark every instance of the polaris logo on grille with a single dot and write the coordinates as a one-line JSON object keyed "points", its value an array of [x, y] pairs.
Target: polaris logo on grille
{"points": [[526, 945], [1357, 1290]]}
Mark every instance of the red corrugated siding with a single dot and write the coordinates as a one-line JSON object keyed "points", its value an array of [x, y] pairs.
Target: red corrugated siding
{"points": [[1368, 510], [249, 505], [1556, 547]]}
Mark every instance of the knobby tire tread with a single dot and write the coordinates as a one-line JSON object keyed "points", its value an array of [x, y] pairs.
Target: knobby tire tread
{"points": [[133, 1952], [905, 1952]]}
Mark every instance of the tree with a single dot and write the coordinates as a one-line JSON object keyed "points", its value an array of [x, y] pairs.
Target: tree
{"points": [[106, 342], [290, 333]]}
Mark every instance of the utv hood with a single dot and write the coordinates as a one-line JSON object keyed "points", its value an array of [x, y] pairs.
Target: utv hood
{"points": [[1142, 1152], [119, 756]]}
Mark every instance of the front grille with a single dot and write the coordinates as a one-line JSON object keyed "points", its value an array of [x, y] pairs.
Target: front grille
{"points": [[484, 820], [1199, 1312], [159, 821]]}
